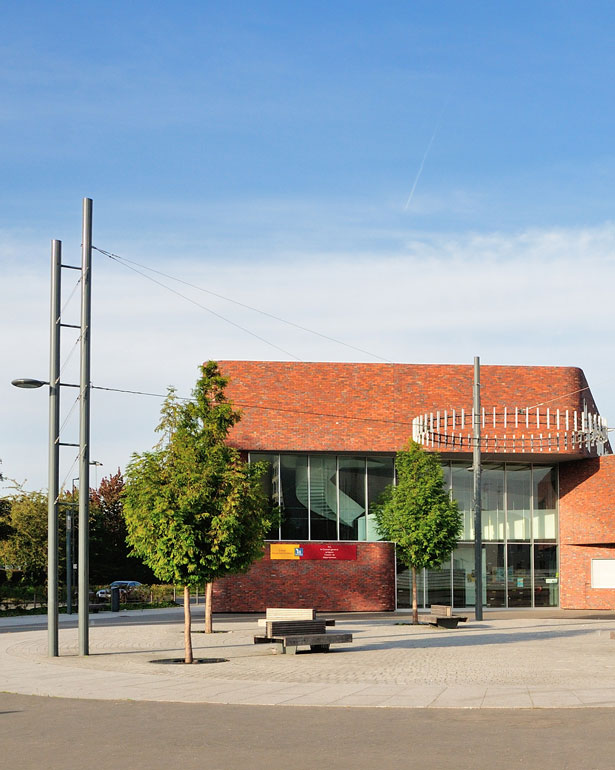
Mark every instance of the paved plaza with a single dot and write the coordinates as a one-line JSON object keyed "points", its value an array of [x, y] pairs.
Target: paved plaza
{"points": [[514, 660]]}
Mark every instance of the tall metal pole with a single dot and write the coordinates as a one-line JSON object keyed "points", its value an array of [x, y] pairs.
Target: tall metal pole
{"points": [[54, 450], [476, 466], [84, 429], [69, 559]]}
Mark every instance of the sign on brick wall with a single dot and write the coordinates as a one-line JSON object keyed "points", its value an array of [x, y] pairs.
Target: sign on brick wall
{"points": [[320, 551]]}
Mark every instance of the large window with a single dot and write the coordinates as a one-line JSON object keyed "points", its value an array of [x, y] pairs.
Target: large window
{"points": [[325, 497], [328, 497]]}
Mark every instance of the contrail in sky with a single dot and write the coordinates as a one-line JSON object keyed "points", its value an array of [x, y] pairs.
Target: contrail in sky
{"points": [[420, 171]]}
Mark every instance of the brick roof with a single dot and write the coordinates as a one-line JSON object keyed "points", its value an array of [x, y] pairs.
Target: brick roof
{"points": [[302, 406]]}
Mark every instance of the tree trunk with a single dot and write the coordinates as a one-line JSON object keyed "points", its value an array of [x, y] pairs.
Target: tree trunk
{"points": [[415, 604], [208, 594], [187, 627]]}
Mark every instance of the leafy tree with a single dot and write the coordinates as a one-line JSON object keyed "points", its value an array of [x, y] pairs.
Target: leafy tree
{"points": [[5, 515], [109, 557], [194, 510], [25, 548], [418, 515]]}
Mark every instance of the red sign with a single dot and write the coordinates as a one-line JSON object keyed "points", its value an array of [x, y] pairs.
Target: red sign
{"points": [[329, 551]]}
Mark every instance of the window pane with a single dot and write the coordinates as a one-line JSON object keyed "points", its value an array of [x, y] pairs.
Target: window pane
{"points": [[379, 477], [352, 498], [420, 588], [546, 576], [464, 576], [463, 492], [519, 576], [518, 498], [323, 497], [269, 481], [439, 584], [294, 497], [493, 502], [404, 586], [545, 502], [446, 475], [495, 583]]}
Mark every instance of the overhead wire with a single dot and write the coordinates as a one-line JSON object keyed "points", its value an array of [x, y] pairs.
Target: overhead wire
{"points": [[70, 470], [289, 410], [244, 405], [198, 304], [129, 264], [69, 413], [70, 296], [70, 354], [117, 257]]}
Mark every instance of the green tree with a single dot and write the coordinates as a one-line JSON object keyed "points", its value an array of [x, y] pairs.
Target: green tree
{"points": [[25, 548], [109, 552], [5, 515], [418, 515], [194, 510]]}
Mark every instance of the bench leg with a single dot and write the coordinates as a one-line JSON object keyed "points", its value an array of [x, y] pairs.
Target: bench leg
{"points": [[319, 647], [291, 650]]}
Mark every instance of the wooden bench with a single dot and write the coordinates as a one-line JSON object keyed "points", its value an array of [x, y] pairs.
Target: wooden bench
{"points": [[287, 635], [291, 613], [442, 617]]}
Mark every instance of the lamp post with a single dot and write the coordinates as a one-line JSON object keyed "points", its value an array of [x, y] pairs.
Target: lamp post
{"points": [[54, 446], [54, 433]]}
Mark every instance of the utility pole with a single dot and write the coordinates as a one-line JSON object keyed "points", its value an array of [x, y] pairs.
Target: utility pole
{"points": [[54, 434], [83, 576], [476, 468], [54, 449]]}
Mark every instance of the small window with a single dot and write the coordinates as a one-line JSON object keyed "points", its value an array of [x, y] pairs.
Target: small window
{"points": [[603, 573]]}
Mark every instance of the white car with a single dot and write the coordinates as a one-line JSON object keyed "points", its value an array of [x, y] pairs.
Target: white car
{"points": [[125, 586]]}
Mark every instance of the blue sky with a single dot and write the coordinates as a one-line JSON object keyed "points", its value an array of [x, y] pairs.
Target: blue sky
{"points": [[426, 180]]}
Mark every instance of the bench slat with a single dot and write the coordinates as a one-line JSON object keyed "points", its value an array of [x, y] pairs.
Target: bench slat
{"points": [[289, 613], [441, 609], [287, 627], [296, 639]]}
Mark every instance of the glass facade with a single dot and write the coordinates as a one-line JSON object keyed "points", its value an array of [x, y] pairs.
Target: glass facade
{"points": [[328, 497], [325, 497]]}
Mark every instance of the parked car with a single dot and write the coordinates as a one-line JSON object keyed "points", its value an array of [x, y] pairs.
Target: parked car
{"points": [[125, 586]]}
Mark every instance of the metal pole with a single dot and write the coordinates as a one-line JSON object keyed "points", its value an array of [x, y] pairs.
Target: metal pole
{"points": [[84, 429], [476, 467], [69, 562], [69, 553], [54, 450]]}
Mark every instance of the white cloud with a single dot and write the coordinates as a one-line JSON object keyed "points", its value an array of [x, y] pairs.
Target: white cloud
{"points": [[535, 297]]}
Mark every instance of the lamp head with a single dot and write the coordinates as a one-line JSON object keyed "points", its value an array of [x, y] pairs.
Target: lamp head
{"points": [[28, 382]]}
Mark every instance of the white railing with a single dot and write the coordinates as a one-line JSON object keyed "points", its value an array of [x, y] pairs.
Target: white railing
{"points": [[517, 430]]}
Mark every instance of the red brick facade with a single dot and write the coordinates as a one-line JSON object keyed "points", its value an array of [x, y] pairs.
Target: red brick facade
{"points": [[367, 584], [587, 530], [345, 407], [369, 408]]}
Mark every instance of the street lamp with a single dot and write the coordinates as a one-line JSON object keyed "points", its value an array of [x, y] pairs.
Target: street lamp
{"points": [[54, 446], [28, 382], [54, 433]]}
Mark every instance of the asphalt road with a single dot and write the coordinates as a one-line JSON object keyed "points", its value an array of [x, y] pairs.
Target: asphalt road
{"points": [[63, 734]]}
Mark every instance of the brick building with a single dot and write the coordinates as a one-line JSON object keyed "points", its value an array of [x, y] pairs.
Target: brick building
{"points": [[329, 433]]}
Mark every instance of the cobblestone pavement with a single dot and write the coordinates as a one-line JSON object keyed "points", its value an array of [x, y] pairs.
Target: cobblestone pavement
{"points": [[527, 662]]}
